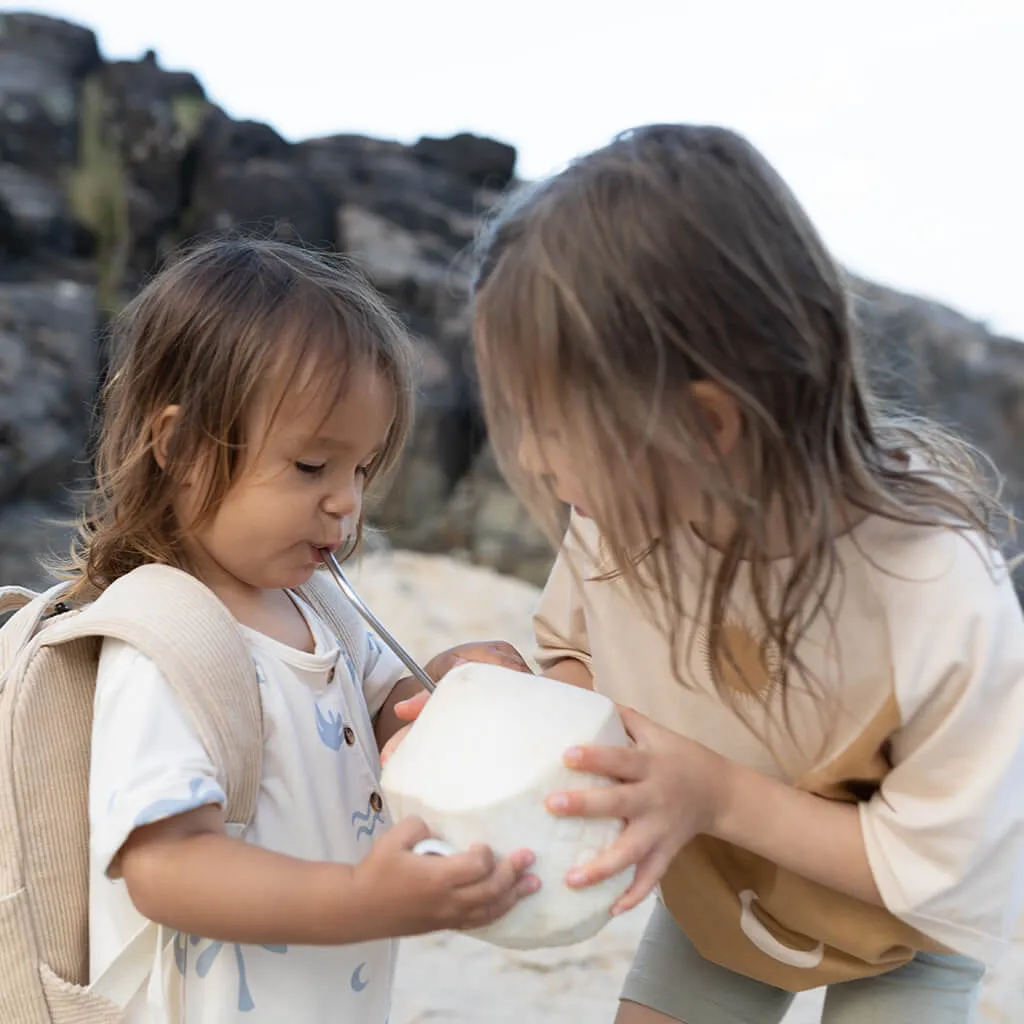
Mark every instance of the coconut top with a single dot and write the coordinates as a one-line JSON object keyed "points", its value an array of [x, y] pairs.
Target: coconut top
{"points": [[487, 732]]}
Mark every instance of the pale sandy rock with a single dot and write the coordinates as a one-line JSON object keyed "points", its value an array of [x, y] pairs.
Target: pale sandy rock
{"points": [[430, 603]]}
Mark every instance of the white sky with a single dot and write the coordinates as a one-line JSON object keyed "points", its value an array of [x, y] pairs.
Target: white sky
{"points": [[900, 123]]}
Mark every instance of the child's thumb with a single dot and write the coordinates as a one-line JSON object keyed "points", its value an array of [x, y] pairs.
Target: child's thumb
{"points": [[409, 831], [409, 710]]}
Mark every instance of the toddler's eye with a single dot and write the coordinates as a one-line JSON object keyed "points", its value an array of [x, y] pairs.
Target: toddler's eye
{"points": [[309, 468]]}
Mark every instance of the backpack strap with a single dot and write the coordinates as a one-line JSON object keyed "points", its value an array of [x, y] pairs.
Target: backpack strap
{"points": [[323, 595], [13, 598], [31, 609], [177, 622]]}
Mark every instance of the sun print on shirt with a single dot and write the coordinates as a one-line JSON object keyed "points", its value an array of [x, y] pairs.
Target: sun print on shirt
{"points": [[749, 665]]}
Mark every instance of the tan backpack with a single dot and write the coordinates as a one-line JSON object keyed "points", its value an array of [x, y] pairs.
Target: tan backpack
{"points": [[48, 660]]}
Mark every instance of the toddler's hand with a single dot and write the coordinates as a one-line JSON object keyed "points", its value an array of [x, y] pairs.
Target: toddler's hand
{"points": [[669, 790], [494, 652], [415, 894]]}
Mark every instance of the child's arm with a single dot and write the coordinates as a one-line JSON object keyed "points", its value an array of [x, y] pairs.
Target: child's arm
{"points": [[939, 845], [674, 789], [156, 820], [817, 838], [571, 671], [185, 873]]}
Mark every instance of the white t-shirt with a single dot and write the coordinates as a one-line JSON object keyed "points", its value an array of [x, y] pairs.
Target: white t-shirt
{"points": [[319, 800]]}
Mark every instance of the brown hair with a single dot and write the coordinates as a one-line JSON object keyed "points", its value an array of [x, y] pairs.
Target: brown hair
{"points": [[211, 332], [677, 254]]}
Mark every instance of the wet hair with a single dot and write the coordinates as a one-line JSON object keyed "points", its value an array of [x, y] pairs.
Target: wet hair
{"points": [[676, 255], [223, 327]]}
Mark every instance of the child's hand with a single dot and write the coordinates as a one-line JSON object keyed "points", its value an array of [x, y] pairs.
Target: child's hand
{"points": [[491, 652], [670, 790], [494, 652], [413, 894]]}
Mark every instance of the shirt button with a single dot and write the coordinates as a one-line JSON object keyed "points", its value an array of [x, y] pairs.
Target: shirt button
{"points": [[375, 802], [330, 676], [350, 736]]}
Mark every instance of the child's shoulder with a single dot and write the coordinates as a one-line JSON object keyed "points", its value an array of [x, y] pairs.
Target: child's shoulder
{"points": [[932, 566], [948, 602]]}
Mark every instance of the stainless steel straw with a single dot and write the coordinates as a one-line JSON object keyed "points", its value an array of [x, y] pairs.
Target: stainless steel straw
{"points": [[334, 567]]}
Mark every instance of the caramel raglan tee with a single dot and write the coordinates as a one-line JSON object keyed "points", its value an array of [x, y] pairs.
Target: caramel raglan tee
{"points": [[917, 716]]}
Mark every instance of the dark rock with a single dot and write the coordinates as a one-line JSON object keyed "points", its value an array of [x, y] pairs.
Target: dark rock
{"points": [[138, 123], [244, 177], [38, 210], [42, 63], [483, 162], [103, 167], [32, 533], [933, 361], [48, 367], [64, 47]]}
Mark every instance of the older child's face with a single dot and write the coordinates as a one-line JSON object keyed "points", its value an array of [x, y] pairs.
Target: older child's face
{"points": [[577, 478], [301, 489], [546, 455]]}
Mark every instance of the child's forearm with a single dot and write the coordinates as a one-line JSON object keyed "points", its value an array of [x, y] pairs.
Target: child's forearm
{"points": [[387, 723], [819, 839], [209, 884], [571, 671]]}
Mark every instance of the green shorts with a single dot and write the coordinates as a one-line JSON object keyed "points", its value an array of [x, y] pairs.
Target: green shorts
{"points": [[670, 976]]}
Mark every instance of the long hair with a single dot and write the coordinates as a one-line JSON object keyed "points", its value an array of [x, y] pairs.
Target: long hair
{"points": [[675, 255], [211, 332]]}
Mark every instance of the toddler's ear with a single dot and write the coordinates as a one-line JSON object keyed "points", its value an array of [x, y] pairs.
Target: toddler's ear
{"points": [[161, 431], [721, 413]]}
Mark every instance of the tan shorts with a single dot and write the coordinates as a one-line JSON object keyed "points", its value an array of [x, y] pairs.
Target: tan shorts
{"points": [[670, 976]]}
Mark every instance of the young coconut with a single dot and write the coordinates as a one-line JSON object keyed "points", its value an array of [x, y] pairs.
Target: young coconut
{"points": [[482, 757]]}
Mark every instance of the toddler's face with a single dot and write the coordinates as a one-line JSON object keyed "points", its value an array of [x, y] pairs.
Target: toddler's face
{"points": [[301, 489]]}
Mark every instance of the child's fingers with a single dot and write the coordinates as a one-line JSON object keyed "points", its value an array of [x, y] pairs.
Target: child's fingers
{"points": [[506, 879], [626, 763], [632, 847], [409, 710], [484, 914], [406, 833], [467, 868], [392, 745], [527, 884], [649, 873], [623, 801]]}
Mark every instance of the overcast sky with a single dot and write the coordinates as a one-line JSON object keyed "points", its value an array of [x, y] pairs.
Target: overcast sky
{"points": [[900, 123]]}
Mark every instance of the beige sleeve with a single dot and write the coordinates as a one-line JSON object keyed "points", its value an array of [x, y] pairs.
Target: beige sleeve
{"points": [[559, 623], [945, 833]]}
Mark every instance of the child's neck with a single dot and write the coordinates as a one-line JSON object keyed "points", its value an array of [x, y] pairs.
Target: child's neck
{"points": [[270, 612], [718, 531]]}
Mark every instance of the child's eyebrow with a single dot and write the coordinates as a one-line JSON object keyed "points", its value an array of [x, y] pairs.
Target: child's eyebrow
{"points": [[325, 441], [341, 445]]}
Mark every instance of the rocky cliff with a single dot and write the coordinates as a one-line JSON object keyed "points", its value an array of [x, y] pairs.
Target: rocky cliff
{"points": [[104, 166]]}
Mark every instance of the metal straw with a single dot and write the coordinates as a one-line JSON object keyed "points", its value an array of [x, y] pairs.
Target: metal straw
{"points": [[334, 567]]}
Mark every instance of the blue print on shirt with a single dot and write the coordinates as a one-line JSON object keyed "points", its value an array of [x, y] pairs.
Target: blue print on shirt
{"points": [[331, 728], [358, 982], [370, 819], [208, 956], [201, 792], [350, 665]]}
